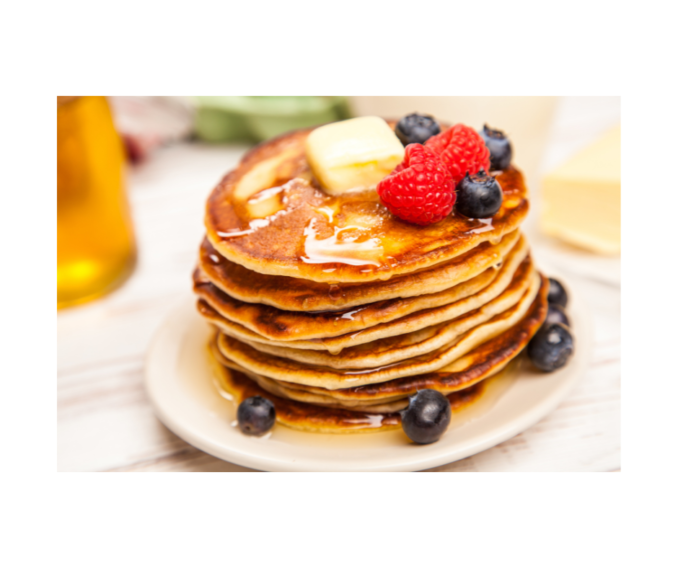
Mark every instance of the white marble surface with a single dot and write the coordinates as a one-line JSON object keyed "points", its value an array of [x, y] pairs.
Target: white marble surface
{"points": [[105, 422]]}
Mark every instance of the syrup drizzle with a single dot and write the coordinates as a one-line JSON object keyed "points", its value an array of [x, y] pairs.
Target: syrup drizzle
{"points": [[369, 420], [265, 206], [254, 225], [267, 193], [349, 315], [339, 248], [486, 226]]}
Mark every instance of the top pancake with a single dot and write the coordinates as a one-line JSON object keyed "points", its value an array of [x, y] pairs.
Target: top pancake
{"points": [[270, 216]]}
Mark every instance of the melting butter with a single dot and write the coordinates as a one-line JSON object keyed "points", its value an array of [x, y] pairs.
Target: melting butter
{"points": [[267, 202]]}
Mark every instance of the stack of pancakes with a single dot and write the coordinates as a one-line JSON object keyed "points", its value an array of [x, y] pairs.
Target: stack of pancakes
{"points": [[337, 311]]}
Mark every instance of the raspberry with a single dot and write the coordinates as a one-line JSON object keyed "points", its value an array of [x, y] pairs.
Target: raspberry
{"points": [[419, 189], [462, 150]]}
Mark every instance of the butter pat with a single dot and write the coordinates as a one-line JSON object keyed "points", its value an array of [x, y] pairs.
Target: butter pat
{"points": [[353, 154], [582, 198]]}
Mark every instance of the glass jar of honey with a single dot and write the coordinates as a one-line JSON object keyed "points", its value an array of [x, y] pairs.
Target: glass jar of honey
{"points": [[95, 240]]}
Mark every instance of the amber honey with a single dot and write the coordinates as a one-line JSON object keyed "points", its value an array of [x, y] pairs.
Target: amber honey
{"points": [[95, 240]]}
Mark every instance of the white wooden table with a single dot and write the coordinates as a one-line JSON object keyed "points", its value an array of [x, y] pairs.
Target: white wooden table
{"points": [[105, 422]]}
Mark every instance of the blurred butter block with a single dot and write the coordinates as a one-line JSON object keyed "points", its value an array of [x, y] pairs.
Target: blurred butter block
{"points": [[222, 119], [581, 200]]}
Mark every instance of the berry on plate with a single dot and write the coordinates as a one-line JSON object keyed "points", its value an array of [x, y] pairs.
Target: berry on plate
{"points": [[256, 415], [557, 294], [427, 416], [551, 347], [499, 146], [416, 128], [556, 314], [462, 150], [479, 196], [419, 190]]}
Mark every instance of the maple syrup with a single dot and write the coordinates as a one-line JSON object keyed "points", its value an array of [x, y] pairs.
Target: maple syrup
{"points": [[95, 241]]}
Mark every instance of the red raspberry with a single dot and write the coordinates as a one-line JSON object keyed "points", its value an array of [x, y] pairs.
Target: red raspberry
{"points": [[419, 189], [462, 150]]}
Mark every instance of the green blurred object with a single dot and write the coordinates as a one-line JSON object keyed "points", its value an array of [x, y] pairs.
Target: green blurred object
{"points": [[223, 119]]}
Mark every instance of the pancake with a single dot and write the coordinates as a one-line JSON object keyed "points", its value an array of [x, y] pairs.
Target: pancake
{"points": [[309, 417], [478, 364], [270, 216], [281, 326], [408, 324], [390, 350], [292, 371], [388, 404], [337, 311], [394, 403], [296, 294]]}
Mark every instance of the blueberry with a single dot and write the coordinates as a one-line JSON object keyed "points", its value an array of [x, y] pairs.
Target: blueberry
{"points": [[256, 415], [557, 294], [427, 417], [479, 196], [499, 146], [556, 314], [551, 347], [416, 128]]}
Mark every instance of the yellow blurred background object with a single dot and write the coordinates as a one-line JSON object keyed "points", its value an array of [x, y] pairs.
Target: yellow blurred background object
{"points": [[95, 241], [582, 198]]}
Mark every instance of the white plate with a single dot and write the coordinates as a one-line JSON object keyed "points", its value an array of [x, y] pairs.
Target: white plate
{"points": [[180, 384]]}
